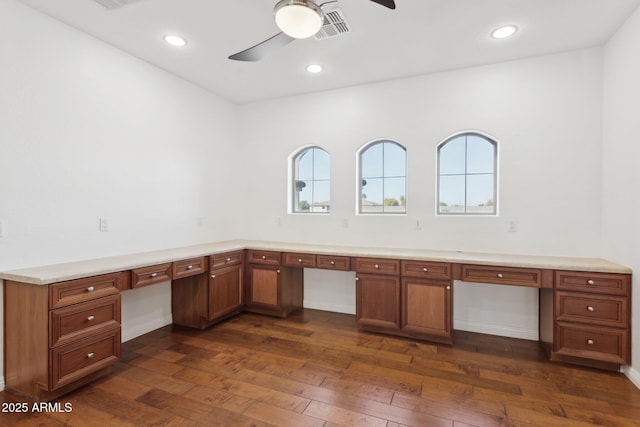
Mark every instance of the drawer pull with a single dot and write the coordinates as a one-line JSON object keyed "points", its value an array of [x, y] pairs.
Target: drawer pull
{"points": [[189, 267], [590, 342], [278, 271], [376, 266], [333, 263], [90, 318], [500, 275], [154, 275], [228, 259], [425, 269], [591, 282], [264, 257], [300, 260], [91, 289], [213, 276], [90, 355], [591, 309]]}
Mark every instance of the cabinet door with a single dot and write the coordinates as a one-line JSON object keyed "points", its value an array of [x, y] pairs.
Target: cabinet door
{"points": [[426, 308], [378, 301], [263, 289], [225, 291]]}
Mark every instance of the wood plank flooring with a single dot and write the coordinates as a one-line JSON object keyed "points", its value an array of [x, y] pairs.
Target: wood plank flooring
{"points": [[316, 369]]}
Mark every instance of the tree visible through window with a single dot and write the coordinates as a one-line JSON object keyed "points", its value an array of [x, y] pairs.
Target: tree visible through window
{"points": [[311, 181], [383, 178], [467, 175]]}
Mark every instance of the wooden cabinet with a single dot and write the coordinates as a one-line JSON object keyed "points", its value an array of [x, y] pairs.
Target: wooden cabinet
{"points": [[515, 276], [592, 319], [378, 301], [200, 300], [189, 267], [63, 335], [331, 262], [426, 309], [151, 275], [272, 288]]}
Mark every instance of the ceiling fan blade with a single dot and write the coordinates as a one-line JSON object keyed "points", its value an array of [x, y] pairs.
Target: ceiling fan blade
{"points": [[259, 51], [386, 3]]}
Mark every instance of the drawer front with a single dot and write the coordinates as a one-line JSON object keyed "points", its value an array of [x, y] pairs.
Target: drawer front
{"points": [[602, 283], [329, 262], [151, 275], [299, 260], [592, 309], [189, 267], [597, 343], [502, 275], [77, 360], [378, 266], [82, 320], [226, 260], [264, 257], [81, 290], [426, 269]]}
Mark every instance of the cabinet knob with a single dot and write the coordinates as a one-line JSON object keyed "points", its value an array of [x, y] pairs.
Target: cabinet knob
{"points": [[590, 308], [189, 267], [228, 259], [448, 287], [425, 269], [213, 276], [154, 275], [376, 266], [591, 282], [500, 275], [278, 271], [264, 257], [357, 278], [590, 342], [90, 355], [333, 263], [90, 318], [91, 289], [300, 260]]}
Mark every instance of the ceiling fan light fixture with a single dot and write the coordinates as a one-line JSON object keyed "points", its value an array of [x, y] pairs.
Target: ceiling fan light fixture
{"points": [[299, 19]]}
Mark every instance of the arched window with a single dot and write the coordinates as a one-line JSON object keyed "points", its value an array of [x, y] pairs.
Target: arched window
{"points": [[382, 175], [467, 175], [310, 186]]}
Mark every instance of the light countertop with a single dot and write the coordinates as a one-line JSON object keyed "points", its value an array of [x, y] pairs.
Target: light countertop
{"points": [[44, 275]]}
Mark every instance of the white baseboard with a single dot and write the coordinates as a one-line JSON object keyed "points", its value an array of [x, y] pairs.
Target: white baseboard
{"points": [[500, 330], [633, 375], [130, 332], [345, 309]]}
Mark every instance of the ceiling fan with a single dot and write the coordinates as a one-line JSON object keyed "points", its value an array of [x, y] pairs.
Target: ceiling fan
{"points": [[298, 19]]}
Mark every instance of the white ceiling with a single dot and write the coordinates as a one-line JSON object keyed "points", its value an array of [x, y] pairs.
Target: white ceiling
{"points": [[419, 37]]}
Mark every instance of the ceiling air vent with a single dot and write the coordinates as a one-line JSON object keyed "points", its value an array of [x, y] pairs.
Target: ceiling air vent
{"points": [[334, 25], [114, 4]]}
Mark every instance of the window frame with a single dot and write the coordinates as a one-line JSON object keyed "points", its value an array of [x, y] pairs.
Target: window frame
{"points": [[292, 178], [496, 144], [359, 178]]}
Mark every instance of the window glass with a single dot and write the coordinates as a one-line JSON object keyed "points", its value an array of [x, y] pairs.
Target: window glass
{"points": [[383, 181], [311, 181], [467, 175]]}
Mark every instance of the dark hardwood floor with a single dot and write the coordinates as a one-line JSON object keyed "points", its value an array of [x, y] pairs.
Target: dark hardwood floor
{"points": [[316, 369]]}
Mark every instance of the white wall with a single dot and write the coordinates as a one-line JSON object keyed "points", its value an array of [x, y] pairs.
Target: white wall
{"points": [[87, 131], [546, 114], [621, 152]]}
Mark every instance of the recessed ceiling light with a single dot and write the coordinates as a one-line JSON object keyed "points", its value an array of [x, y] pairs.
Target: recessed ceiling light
{"points": [[315, 68], [174, 40], [504, 32]]}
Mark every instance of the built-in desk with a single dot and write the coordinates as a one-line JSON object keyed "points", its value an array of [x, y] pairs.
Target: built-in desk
{"points": [[62, 322]]}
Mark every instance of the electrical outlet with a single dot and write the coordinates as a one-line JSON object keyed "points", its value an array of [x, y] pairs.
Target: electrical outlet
{"points": [[418, 224], [513, 226], [345, 223], [103, 225]]}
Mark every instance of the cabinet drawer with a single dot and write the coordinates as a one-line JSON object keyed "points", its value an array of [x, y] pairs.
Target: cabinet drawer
{"points": [[592, 309], [597, 343], [502, 275], [74, 361], [426, 269], [264, 257], [378, 266], [299, 260], [81, 290], [151, 275], [329, 262], [189, 267], [81, 320], [602, 283], [226, 260]]}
